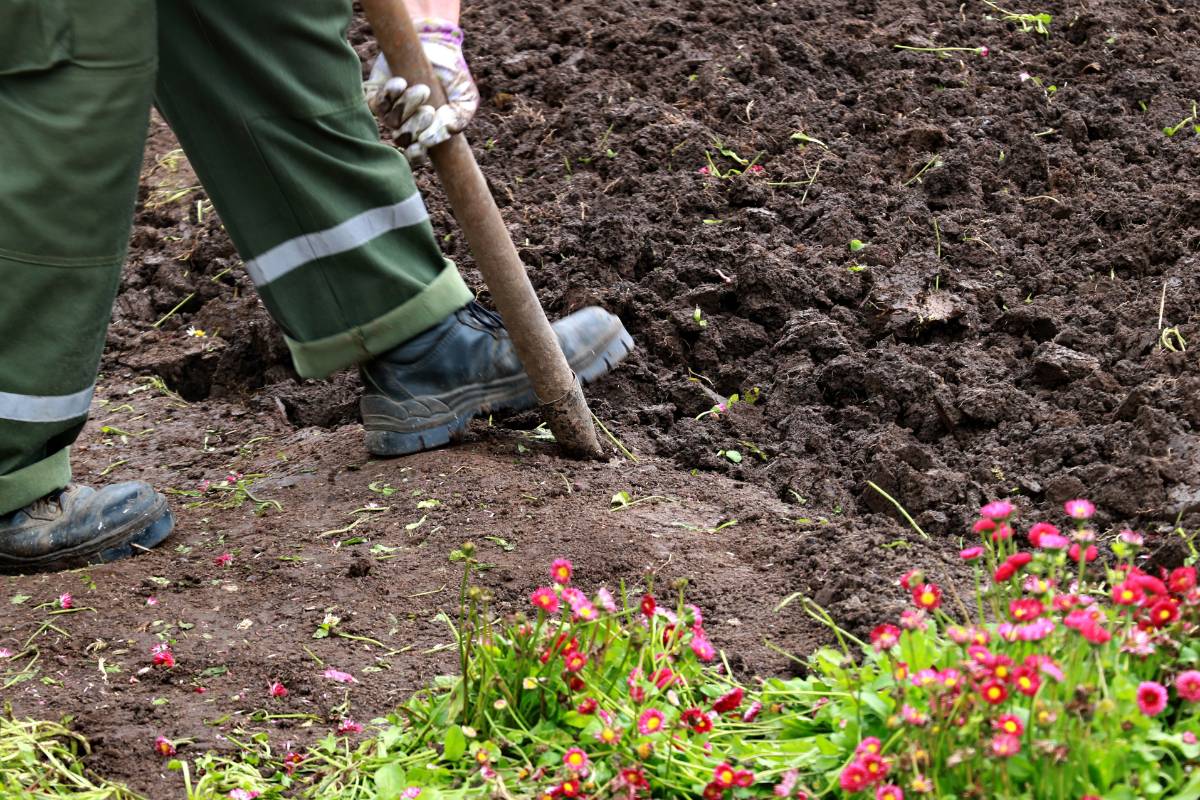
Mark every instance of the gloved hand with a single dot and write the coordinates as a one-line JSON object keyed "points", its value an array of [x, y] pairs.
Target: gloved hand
{"points": [[405, 109]]}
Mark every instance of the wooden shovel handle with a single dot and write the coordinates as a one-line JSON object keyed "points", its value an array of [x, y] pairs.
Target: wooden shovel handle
{"points": [[555, 385]]}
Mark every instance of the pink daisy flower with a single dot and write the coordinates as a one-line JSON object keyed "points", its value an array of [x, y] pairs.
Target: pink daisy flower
{"points": [[702, 647], [1079, 509], [585, 612], [545, 599], [1187, 685], [650, 722], [889, 791], [885, 637], [561, 571], [576, 760], [1006, 745], [997, 509], [1151, 698], [604, 599]]}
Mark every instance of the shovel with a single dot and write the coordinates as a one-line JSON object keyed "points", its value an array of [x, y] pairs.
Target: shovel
{"points": [[554, 383]]}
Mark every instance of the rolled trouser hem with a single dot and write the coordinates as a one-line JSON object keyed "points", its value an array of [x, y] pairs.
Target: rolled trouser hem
{"points": [[321, 357], [19, 489]]}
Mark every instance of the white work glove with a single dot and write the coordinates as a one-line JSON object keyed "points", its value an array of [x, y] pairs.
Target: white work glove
{"points": [[404, 108]]}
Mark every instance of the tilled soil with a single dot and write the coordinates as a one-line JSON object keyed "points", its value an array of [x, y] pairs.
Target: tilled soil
{"points": [[1015, 325]]}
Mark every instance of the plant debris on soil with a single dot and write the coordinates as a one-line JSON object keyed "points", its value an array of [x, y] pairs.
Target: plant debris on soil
{"points": [[957, 277]]}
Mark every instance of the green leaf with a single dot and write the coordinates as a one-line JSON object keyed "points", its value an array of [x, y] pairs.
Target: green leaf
{"points": [[800, 136], [856, 245], [502, 543], [732, 455], [18, 599], [455, 745], [389, 781], [412, 526]]}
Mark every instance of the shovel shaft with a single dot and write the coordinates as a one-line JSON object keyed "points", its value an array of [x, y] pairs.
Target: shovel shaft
{"points": [[554, 383]]}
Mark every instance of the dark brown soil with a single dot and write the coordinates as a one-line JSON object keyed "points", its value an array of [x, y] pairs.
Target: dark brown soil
{"points": [[999, 335]]}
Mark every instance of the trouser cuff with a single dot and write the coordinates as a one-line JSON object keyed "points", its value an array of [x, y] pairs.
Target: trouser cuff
{"points": [[19, 489], [444, 295]]}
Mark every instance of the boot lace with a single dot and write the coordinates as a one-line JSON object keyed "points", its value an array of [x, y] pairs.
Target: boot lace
{"points": [[488, 319], [47, 507]]}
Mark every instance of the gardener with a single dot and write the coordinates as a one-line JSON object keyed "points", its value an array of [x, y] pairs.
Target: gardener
{"points": [[267, 100]]}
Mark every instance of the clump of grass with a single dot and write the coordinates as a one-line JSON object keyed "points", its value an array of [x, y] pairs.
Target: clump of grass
{"points": [[44, 760]]}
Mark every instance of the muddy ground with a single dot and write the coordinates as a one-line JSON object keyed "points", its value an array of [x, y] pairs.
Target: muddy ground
{"points": [[1030, 233]]}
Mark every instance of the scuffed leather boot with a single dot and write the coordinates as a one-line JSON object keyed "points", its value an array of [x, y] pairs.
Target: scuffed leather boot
{"points": [[423, 393], [78, 526]]}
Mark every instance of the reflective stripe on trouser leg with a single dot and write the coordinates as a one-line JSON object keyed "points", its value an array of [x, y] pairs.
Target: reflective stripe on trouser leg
{"points": [[43, 408], [75, 88], [326, 216]]}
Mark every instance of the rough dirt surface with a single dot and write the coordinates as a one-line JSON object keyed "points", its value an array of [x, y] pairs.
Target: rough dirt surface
{"points": [[1000, 334]]}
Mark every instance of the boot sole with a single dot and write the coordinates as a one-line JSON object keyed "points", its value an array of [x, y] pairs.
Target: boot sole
{"points": [[120, 545], [403, 428]]}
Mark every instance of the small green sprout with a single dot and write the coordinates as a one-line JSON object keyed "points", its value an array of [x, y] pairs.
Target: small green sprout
{"points": [[1193, 120], [1028, 22], [856, 245], [805, 139], [933, 163], [698, 318], [754, 449], [732, 455], [750, 165], [1172, 339]]}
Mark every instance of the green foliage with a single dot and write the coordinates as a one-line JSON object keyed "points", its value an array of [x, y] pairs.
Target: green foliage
{"points": [[1058, 680], [1047, 688], [1028, 22], [46, 758]]}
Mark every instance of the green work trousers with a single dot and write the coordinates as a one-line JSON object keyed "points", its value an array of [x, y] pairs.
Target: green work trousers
{"points": [[266, 98]]}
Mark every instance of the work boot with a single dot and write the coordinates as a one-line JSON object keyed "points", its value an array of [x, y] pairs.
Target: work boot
{"points": [[79, 526], [423, 393]]}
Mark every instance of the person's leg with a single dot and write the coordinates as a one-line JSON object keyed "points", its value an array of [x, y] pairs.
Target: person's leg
{"points": [[75, 89], [267, 101], [76, 79]]}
